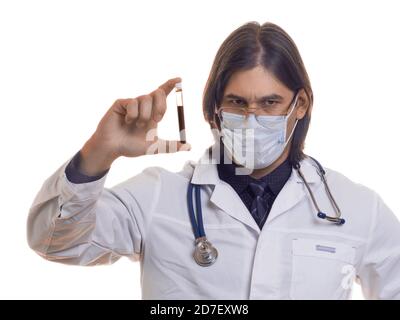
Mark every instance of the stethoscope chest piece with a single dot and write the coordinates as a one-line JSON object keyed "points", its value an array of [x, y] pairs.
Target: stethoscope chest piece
{"points": [[205, 253]]}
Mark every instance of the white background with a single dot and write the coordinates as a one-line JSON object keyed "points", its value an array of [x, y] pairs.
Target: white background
{"points": [[63, 63]]}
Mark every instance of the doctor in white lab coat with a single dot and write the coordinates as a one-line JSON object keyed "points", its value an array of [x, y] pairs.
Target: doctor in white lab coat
{"points": [[257, 83]]}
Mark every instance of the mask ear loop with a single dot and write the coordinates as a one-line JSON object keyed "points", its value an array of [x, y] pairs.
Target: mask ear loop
{"points": [[287, 117], [293, 104], [217, 119]]}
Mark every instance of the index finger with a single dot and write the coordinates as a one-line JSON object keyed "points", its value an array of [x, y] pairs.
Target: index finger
{"points": [[169, 85]]}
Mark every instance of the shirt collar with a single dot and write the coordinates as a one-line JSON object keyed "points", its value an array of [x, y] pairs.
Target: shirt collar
{"points": [[275, 180]]}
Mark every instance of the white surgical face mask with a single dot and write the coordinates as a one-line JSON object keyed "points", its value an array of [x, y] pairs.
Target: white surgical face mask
{"points": [[253, 143]]}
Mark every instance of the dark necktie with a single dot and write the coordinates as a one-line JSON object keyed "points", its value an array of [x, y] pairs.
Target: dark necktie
{"points": [[259, 206]]}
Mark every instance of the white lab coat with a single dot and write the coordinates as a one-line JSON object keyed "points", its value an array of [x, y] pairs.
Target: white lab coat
{"points": [[295, 256]]}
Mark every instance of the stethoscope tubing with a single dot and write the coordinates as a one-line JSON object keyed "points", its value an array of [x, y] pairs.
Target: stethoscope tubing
{"points": [[197, 224]]}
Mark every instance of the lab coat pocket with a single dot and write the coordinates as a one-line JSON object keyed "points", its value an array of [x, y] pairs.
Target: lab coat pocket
{"points": [[321, 269]]}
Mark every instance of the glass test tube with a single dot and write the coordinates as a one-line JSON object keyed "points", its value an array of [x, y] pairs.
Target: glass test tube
{"points": [[181, 117]]}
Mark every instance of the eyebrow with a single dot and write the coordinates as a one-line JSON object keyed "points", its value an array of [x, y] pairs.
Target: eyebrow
{"points": [[272, 96]]}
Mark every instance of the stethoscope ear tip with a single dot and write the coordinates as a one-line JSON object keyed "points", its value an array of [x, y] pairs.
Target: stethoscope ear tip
{"points": [[338, 221], [321, 215]]}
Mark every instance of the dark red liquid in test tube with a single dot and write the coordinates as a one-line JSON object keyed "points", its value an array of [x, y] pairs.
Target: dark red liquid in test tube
{"points": [[181, 115]]}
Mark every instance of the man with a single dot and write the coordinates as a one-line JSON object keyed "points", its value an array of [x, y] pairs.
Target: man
{"points": [[277, 230]]}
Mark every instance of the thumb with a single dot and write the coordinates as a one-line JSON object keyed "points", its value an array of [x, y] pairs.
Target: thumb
{"points": [[169, 85], [171, 146]]}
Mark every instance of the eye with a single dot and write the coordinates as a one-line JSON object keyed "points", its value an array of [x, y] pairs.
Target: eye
{"points": [[237, 102], [270, 102]]}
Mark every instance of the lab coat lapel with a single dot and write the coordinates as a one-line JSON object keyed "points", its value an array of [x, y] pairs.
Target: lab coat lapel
{"points": [[294, 190], [223, 195], [229, 201]]}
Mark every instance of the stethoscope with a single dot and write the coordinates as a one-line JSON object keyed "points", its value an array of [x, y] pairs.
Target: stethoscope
{"points": [[205, 254]]}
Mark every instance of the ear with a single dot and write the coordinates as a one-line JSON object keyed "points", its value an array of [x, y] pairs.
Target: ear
{"points": [[213, 122], [303, 104], [214, 125]]}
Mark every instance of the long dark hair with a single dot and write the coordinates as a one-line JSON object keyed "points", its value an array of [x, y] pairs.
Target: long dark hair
{"points": [[267, 45]]}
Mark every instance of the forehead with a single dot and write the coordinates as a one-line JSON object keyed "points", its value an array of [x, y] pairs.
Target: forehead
{"points": [[254, 83]]}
